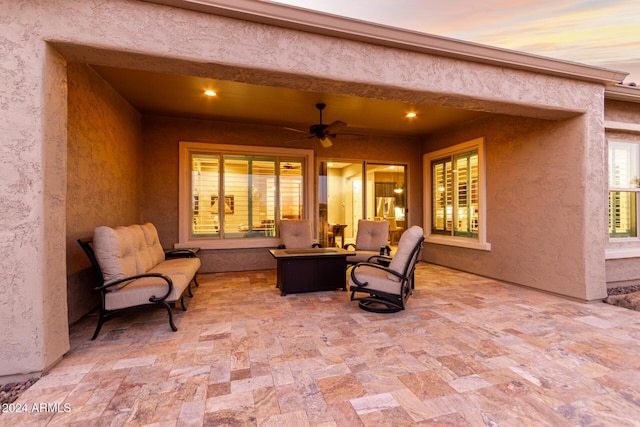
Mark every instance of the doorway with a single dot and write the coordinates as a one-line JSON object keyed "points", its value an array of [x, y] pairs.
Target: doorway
{"points": [[354, 190]]}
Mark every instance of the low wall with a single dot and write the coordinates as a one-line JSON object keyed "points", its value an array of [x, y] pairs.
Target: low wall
{"points": [[223, 260]]}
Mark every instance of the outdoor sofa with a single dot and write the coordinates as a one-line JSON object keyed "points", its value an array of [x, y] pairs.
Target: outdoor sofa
{"points": [[136, 273]]}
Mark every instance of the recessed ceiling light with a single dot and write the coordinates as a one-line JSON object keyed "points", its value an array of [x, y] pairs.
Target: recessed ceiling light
{"points": [[210, 92], [411, 115]]}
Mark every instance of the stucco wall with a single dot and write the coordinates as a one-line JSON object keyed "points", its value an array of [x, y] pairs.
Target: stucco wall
{"points": [[535, 207], [622, 111], [160, 174], [104, 166]]}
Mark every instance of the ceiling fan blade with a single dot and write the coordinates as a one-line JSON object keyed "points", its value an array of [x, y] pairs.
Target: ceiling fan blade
{"points": [[349, 134], [326, 142], [334, 127], [296, 130], [301, 139]]}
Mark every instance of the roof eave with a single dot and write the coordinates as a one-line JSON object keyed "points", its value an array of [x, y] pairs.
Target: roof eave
{"points": [[622, 93], [348, 28]]}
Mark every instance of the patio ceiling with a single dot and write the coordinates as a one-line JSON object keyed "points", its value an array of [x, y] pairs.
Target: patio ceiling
{"points": [[183, 96]]}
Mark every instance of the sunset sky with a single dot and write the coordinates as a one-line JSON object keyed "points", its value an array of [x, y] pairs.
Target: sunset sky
{"points": [[604, 33]]}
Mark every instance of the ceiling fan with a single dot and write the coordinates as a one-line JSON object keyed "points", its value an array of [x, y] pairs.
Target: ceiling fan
{"points": [[324, 132]]}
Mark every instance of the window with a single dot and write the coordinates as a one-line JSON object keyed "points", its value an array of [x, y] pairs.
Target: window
{"points": [[624, 189], [455, 193], [234, 196]]}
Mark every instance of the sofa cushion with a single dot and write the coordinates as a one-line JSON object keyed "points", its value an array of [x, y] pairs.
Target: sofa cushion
{"points": [[188, 267], [139, 291], [144, 258], [153, 242], [114, 251], [407, 243]]}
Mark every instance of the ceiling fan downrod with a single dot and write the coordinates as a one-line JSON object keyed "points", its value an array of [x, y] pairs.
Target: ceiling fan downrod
{"points": [[320, 106]]}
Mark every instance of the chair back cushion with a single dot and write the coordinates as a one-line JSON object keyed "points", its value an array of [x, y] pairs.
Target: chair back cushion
{"points": [[295, 233], [406, 245], [371, 235], [114, 252]]}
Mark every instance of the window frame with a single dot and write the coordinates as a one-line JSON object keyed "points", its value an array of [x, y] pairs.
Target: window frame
{"points": [[472, 242], [632, 190], [186, 148]]}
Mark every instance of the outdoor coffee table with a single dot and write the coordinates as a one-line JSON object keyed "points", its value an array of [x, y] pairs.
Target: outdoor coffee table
{"points": [[308, 270]]}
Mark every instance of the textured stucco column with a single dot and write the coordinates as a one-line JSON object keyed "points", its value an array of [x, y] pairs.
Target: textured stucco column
{"points": [[596, 231], [33, 310]]}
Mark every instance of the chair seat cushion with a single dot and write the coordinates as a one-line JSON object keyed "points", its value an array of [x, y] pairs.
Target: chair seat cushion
{"points": [[139, 291], [376, 279]]}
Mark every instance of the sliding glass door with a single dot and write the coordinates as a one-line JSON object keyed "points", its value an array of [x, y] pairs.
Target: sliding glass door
{"points": [[350, 191]]}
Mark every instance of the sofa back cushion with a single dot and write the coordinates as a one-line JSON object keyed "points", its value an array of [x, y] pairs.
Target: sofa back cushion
{"points": [[153, 243], [144, 258], [114, 252]]}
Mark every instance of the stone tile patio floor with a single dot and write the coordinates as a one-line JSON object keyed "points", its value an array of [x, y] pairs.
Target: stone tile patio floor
{"points": [[468, 351]]}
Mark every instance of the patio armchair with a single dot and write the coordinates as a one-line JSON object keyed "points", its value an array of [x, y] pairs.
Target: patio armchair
{"points": [[371, 240], [387, 288], [296, 234]]}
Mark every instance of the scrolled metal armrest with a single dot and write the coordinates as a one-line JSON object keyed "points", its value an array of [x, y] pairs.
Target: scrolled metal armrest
{"points": [[374, 265], [180, 253], [378, 258], [153, 298]]}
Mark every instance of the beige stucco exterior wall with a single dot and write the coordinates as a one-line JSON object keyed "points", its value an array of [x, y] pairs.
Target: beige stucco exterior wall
{"points": [[104, 170], [160, 174], [538, 224], [163, 39], [622, 111], [623, 271]]}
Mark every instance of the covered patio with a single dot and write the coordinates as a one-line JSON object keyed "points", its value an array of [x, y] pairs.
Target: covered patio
{"points": [[468, 351], [82, 152]]}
